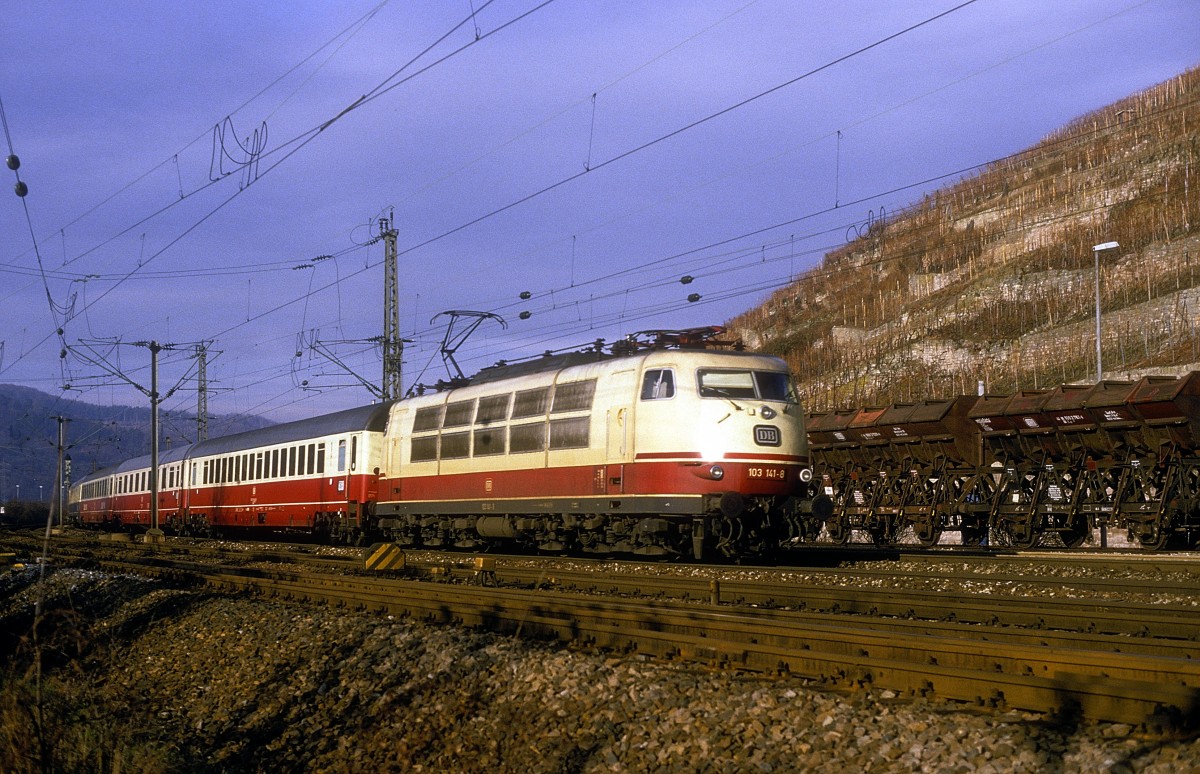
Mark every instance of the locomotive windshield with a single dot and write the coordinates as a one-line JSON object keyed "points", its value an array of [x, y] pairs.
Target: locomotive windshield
{"points": [[751, 385]]}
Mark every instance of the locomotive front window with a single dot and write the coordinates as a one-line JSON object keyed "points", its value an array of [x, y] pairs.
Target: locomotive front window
{"points": [[727, 384], [749, 385], [774, 385]]}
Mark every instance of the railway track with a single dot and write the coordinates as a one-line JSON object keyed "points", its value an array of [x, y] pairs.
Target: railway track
{"points": [[1104, 658]]}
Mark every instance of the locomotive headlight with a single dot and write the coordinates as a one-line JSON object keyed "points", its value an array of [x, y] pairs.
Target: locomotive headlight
{"points": [[717, 472], [805, 475], [767, 412]]}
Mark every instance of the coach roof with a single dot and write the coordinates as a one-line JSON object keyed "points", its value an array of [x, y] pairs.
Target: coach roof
{"points": [[371, 418]]}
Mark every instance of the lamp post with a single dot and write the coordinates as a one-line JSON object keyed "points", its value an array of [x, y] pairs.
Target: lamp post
{"points": [[1096, 250]]}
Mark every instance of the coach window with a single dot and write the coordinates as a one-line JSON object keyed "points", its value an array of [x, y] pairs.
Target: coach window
{"points": [[569, 433], [573, 396], [527, 438], [341, 455], [258, 466], [492, 409], [353, 452], [424, 449], [300, 461], [456, 445], [459, 413], [312, 459], [531, 403], [428, 418], [658, 384], [489, 440], [292, 461], [321, 459]]}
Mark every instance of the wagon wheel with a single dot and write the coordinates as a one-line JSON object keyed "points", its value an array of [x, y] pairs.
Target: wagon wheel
{"points": [[1076, 532], [927, 529], [1154, 535], [838, 526], [973, 536], [1021, 534]]}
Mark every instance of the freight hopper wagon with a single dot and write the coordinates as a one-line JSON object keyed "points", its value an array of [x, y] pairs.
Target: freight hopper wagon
{"points": [[1040, 466]]}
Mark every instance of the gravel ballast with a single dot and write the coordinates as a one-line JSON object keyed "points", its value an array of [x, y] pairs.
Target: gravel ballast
{"points": [[185, 680]]}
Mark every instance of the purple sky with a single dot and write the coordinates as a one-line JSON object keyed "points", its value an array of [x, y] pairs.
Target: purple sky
{"points": [[504, 173]]}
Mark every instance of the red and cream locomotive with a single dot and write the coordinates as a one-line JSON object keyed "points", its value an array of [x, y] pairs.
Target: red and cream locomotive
{"points": [[673, 444]]}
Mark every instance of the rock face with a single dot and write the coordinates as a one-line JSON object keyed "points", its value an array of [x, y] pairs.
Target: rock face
{"points": [[151, 678]]}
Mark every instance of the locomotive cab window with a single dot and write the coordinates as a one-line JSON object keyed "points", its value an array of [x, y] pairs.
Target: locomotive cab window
{"points": [[658, 384]]}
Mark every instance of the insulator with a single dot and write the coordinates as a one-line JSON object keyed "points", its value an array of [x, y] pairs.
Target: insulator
{"points": [[693, 298], [686, 279], [525, 315], [14, 163], [21, 188], [526, 295]]}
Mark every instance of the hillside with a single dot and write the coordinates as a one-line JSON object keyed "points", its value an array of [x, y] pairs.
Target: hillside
{"points": [[991, 279], [97, 436]]}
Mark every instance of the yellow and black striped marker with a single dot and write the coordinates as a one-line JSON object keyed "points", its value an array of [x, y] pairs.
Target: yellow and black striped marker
{"points": [[384, 556]]}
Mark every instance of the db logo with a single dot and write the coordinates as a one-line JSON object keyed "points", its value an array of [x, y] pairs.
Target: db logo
{"points": [[766, 435]]}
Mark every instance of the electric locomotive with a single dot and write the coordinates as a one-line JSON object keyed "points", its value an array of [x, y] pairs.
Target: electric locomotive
{"points": [[665, 447]]}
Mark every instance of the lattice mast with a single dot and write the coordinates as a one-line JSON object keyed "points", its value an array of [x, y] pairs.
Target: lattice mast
{"points": [[393, 344]]}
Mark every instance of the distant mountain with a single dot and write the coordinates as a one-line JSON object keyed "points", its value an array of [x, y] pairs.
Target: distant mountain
{"points": [[96, 436]]}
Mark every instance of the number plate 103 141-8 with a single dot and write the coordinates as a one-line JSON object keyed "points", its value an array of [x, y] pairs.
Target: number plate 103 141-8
{"points": [[769, 473]]}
